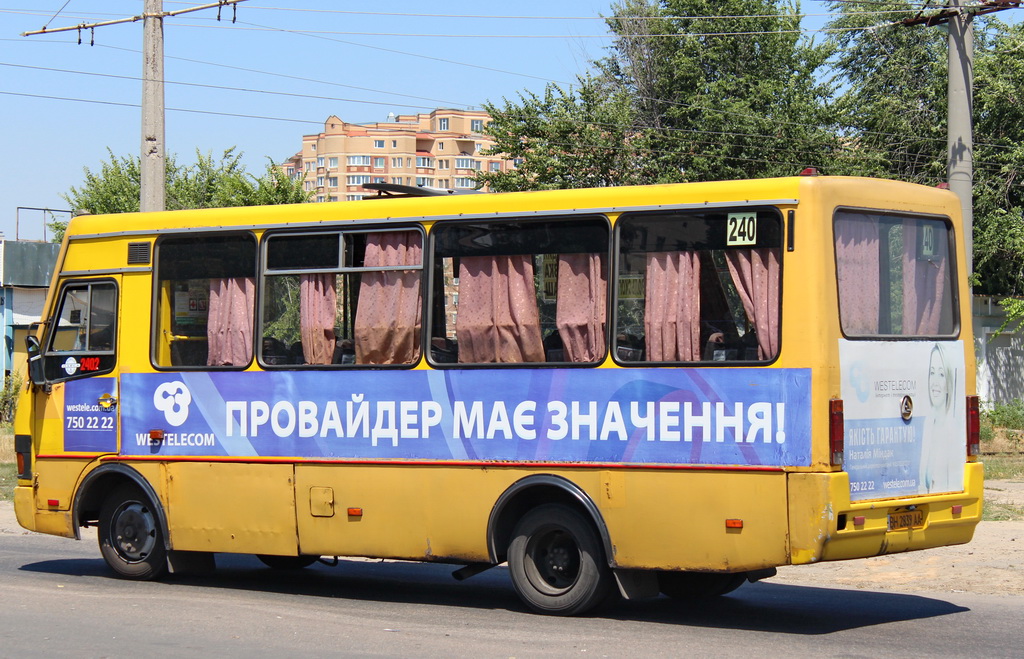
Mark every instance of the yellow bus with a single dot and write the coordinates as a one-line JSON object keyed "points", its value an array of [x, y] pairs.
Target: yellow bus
{"points": [[621, 391]]}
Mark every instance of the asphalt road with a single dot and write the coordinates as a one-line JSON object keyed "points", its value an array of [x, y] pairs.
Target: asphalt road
{"points": [[59, 599]]}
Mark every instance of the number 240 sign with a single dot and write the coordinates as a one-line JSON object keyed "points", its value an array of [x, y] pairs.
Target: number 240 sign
{"points": [[741, 229]]}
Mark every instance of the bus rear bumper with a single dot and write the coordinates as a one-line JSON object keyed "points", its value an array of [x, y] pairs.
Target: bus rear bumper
{"points": [[846, 530], [52, 522]]}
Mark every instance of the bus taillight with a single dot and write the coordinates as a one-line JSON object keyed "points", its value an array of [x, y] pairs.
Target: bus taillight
{"points": [[836, 431], [973, 426], [23, 451]]}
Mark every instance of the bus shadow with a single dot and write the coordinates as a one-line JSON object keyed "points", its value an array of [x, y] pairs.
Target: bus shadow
{"points": [[764, 606], [790, 609]]}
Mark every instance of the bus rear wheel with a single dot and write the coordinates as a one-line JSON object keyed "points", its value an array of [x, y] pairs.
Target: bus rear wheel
{"points": [[557, 563], [698, 585], [131, 540]]}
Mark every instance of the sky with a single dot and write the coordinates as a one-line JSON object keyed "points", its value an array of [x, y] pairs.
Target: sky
{"points": [[260, 83]]}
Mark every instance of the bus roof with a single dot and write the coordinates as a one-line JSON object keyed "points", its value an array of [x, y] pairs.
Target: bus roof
{"points": [[777, 191]]}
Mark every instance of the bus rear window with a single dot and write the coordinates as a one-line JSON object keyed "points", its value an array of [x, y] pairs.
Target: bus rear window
{"points": [[895, 275]]}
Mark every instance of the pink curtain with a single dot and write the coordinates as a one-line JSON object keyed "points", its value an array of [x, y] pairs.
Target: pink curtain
{"points": [[229, 322], [318, 306], [924, 283], [755, 272], [582, 306], [672, 307], [387, 323], [857, 271], [498, 319]]}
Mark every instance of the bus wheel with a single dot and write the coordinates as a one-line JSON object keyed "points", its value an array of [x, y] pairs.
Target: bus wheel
{"points": [[130, 536], [287, 562], [557, 563], [697, 585]]}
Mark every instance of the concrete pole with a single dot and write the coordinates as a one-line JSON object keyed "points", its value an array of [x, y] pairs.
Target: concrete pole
{"points": [[959, 141], [154, 158]]}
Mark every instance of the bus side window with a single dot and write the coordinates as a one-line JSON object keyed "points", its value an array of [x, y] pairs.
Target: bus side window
{"points": [[688, 292], [342, 298], [205, 301], [519, 292]]}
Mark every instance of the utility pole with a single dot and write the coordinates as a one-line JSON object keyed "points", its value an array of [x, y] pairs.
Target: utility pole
{"points": [[153, 163], [153, 157], [960, 110], [960, 102]]}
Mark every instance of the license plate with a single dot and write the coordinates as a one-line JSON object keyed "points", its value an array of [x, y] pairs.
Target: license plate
{"points": [[906, 519]]}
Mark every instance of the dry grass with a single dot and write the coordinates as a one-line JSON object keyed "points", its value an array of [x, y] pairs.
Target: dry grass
{"points": [[6, 445]]}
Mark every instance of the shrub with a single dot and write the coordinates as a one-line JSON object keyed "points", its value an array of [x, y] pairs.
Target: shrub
{"points": [[9, 397]]}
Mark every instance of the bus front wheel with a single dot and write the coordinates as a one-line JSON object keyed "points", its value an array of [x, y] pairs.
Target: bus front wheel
{"points": [[556, 562], [130, 536]]}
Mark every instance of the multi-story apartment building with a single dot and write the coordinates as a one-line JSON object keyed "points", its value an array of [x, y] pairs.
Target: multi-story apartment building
{"points": [[442, 149]]}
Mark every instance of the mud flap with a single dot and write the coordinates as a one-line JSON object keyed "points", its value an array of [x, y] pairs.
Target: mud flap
{"points": [[191, 562], [637, 584]]}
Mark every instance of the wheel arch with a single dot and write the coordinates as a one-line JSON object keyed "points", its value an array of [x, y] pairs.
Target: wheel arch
{"points": [[532, 491], [99, 482]]}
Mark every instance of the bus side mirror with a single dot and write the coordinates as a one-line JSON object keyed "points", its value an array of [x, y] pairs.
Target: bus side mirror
{"points": [[35, 361]]}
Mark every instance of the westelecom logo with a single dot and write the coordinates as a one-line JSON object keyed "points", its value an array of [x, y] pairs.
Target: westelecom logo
{"points": [[173, 399]]}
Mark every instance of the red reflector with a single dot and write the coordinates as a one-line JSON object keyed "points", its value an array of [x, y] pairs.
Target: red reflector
{"points": [[836, 441], [156, 435], [53, 503], [943, 186], [734, 523], [973, 426], [809, 171], [957, 510], [355, 512], [858, 520]]}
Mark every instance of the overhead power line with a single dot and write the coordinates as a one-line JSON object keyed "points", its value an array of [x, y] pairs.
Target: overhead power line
{"points": [[153, 153]]}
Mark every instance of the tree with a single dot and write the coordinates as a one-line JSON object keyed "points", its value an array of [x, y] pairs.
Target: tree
{"points": [[734, 96], [678, 98], [999, 164], [893, 112], [577, 138], [207, 183]]}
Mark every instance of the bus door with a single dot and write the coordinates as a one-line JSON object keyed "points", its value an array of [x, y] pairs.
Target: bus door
{"points": [[75, 400]]}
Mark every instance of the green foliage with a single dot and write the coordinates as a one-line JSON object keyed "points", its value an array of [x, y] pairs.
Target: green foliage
{"points": [[577, 138], [207, 183], [682, 98], [687, 104], [1007, 415], [999, 161], [1014, 307], [9, 397], [893, 105], [893, 111]]}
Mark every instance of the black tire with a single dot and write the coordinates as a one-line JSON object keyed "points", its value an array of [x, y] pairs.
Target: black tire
{"points": [[557, 562], [131, 539], [287, 562], [698, 585]]}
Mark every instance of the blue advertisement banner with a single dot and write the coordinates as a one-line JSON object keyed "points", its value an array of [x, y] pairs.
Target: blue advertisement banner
{"points": [[748, 417], [88, 426]]}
